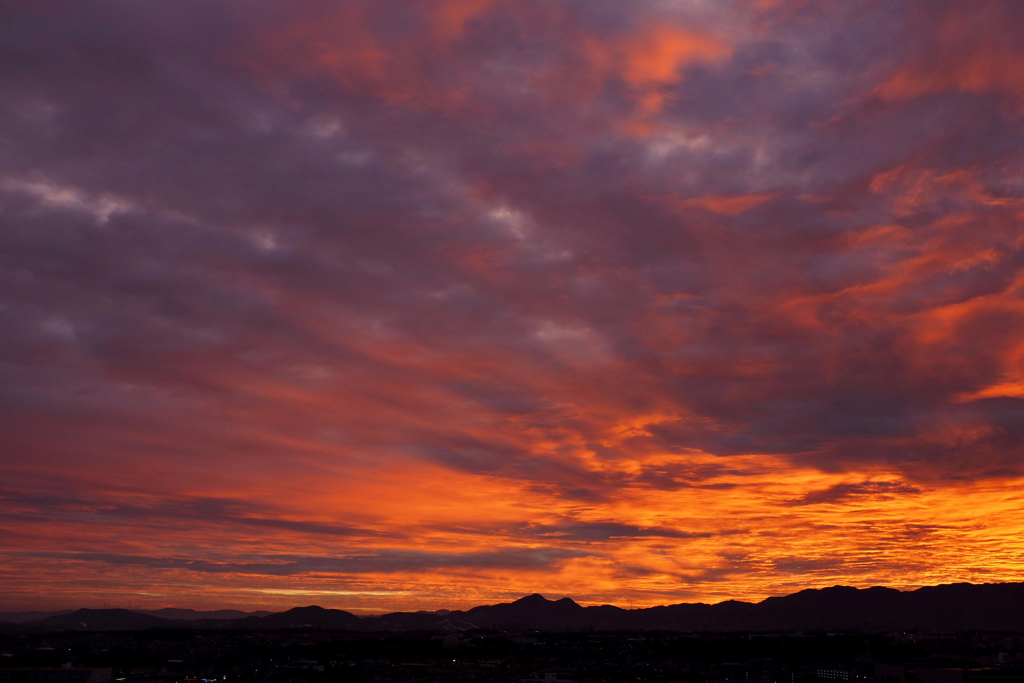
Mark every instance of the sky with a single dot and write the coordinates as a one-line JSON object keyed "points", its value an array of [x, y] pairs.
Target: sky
{"points": [[411, 304]]}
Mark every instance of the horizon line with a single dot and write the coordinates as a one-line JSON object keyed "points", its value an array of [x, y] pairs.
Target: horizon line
{"points": [[383, 611]]}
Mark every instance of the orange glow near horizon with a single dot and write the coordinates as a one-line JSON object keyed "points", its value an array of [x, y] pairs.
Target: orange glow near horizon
{"points": [[744, 534]]}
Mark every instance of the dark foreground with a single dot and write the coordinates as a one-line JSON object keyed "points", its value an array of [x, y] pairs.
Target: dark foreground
{"points": [[311, 655]]}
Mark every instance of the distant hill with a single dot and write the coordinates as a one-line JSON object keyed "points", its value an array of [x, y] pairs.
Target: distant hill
{"points": [[177, 614], [418, 621], [302, 617], [21, 617], [534, 611], [103, 620], [951, 607]]}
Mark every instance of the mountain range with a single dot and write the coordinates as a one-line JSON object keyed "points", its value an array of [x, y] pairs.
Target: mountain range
{"points": [[950, 607]]}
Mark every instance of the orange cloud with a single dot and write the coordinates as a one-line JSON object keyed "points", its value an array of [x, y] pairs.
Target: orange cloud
{"points": [[655, 57], [987, 69], [976, 50], [727, 206], [425, 65], [651, 59], [343, 48]]}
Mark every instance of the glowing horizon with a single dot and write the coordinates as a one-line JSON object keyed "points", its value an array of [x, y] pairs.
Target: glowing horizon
{"points": [[421, 304]]}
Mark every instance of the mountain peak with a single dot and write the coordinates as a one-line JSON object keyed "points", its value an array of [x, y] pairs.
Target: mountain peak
{"points": [[310, 608]]}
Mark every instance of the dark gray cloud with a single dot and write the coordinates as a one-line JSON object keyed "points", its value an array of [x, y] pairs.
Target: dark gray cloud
{"points": [[841, 493], [380, 562], [200, 512], [603, 531]]}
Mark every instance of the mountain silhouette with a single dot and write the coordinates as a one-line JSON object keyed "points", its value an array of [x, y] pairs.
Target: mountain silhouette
{"points": [[302, 617], [178, 614], [950, 607], [953, 607], [20, 617], [533, 611], [103, 620]]}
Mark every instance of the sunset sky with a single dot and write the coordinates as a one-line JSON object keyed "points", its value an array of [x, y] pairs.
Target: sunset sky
{"points": [[410, 304]]}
